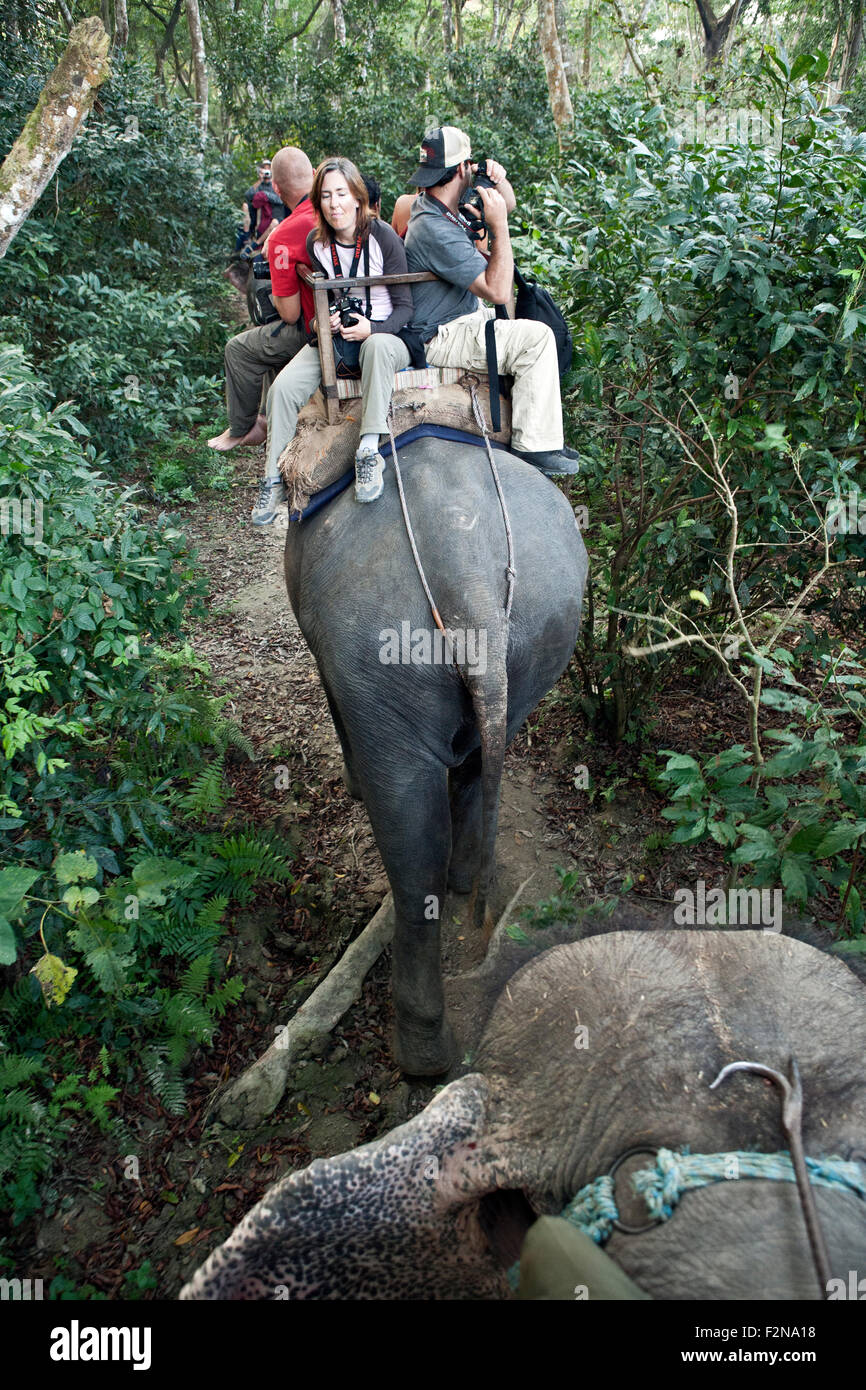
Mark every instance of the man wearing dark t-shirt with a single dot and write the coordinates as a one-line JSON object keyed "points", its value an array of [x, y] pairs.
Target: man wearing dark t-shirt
{"points": [[261, 352]]}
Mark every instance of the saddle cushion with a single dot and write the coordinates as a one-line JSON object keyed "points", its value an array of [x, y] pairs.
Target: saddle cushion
{"points": [[320, 453]]}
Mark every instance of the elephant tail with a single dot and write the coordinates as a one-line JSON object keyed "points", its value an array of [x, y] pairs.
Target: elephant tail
{"points": [[489, 694]]}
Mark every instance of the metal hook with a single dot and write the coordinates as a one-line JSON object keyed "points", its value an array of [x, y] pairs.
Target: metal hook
{"points": [[792, 1127]]}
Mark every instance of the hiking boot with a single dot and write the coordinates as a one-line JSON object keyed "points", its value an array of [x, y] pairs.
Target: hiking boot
{"points": [[556, 463], [369, 467], [272, 491]]}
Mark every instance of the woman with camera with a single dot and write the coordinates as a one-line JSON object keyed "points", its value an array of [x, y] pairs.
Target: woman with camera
{"points": [[347, 241]]}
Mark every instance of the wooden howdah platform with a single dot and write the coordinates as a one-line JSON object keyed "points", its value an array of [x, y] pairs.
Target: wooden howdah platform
{"points": [[329, 427]]}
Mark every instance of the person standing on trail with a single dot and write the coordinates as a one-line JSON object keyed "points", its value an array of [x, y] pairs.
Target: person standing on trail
{"points": [[447, 313], [260, 352]]}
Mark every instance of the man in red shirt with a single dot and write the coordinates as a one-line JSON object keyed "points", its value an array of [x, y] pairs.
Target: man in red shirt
{"points": [[262, 352]]}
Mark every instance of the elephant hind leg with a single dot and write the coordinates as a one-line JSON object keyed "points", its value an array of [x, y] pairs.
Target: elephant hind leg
{"points": [[464, 786], [412, 826]]}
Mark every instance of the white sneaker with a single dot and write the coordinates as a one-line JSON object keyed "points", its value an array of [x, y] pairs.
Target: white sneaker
{"points": [[369, 468], [271, 493]]}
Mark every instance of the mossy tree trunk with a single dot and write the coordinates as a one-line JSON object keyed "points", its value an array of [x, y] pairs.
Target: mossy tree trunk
{"points": [[199, 64], [47, 137], [557, 82]]}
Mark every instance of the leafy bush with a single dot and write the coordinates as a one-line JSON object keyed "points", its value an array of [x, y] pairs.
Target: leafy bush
{"points": [[799, 818], [106, 284], [114, 888], [716, 297], [374, 102]]}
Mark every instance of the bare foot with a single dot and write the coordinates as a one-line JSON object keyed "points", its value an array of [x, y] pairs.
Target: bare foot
{"points": [[225, 441]]}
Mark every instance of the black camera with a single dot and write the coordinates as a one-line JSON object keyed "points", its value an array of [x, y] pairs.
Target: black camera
{"points": [[472, 207], [348, 307]]}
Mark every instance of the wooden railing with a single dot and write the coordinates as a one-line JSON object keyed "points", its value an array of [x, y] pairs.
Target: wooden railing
{"points": [[320, 284]]}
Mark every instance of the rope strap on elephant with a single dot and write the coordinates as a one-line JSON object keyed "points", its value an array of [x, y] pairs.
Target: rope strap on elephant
{"points": [[595, 1212], [510, 572], [594, 1209]]}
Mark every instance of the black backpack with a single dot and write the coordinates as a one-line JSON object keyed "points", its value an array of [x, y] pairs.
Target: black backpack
{"points": [[531, 302]]}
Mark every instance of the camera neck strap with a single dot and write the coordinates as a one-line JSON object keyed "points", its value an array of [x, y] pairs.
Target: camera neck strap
{"points": [[457, 218], [362, 245]]}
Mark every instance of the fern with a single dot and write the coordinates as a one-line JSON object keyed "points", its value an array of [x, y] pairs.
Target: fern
{"points": [[237, 864], [206, 793], [225, 995], [163, 1078], [96, 1100], [194, 980], [22, 1108], [15, 1069]]}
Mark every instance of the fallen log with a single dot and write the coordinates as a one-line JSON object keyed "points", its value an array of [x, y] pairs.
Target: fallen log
{"points": [[258, 1091]]}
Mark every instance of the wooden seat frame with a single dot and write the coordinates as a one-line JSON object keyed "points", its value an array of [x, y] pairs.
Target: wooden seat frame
{"points": [[320, 284]]}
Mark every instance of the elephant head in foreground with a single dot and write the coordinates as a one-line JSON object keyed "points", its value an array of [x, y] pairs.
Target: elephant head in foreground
{"points": [[592, 1049], [424, 722]]}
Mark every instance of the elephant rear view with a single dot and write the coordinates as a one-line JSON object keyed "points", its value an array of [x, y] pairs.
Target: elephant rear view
{"points": [[424, 720]]}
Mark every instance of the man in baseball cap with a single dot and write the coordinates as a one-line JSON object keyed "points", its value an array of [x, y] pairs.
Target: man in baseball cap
{"points": [[444, 148], [447, 313]]}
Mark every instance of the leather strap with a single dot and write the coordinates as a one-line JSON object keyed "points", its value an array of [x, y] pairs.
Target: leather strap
{"points": [[492, 374]]}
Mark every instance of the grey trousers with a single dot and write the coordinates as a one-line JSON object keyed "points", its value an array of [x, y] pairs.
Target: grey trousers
{"points": [[382, 354], [252, 358]]}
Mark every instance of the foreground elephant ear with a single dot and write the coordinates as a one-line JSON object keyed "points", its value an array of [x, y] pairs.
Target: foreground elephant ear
{"points": [[395, 1219]]}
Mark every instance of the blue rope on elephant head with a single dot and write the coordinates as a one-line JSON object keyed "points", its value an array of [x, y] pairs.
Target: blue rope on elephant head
{"points": [[594, 1210], [661, 1185]]}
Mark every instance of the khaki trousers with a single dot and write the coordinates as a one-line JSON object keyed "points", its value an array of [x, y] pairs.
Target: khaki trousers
{"points": [[252, 358], [525, 350], [382, 354]]}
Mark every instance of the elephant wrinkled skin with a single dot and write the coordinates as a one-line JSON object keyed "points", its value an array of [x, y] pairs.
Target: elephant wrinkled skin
{"points": [[416, 1213]]}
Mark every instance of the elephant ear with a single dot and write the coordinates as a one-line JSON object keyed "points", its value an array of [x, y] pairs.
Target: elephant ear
{"points": [[395, 1219]]}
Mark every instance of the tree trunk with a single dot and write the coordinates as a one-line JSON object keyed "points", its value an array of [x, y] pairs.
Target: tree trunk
{"points": [[625, 29], [494, 29], [457, 6], [587, 45], [551, 52], [447, 26], [121, 24], [65, 14], [627, 58], [716, 30], [726, 46], [568, 62], [339, 22], [199, 66], [51, 127], [161, 52], [853, 44]]}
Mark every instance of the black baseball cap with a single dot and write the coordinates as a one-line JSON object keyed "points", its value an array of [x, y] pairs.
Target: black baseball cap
{"points": [[441, 149]]}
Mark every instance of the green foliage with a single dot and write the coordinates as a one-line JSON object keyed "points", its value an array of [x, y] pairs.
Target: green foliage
{"points": [[118, 261], [797, 819], [114, 885], [34, 1111], [374, 99], [717, 299]]}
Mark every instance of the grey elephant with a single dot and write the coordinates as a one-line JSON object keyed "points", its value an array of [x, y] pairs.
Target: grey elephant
{"points": [[424, 725], [592, 1049]]}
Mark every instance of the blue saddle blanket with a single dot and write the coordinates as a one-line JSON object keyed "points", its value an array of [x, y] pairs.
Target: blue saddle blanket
{"points": [[321, 499]]}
